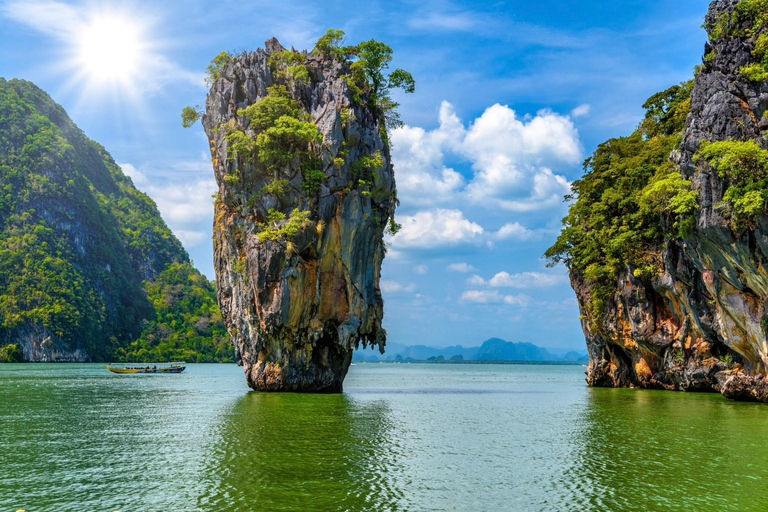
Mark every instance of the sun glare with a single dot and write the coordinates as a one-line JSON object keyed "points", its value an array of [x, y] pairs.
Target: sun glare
{"points": [[110, 50]]}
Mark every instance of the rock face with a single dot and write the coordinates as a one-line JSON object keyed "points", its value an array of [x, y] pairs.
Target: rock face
{"points": [[709, 303], [298, 305]]}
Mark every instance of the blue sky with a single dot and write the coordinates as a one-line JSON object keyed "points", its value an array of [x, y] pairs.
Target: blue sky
{"points": [[511, 97]]}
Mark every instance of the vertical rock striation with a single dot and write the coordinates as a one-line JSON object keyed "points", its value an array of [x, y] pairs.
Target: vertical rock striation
{"points": [[700, 324], [298, 254]]}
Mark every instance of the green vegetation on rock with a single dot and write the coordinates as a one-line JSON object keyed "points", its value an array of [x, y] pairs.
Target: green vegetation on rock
{"points": [[748, 20], [369, 62], [744, 166], [630, 197], [78, 242], [187, 324], [11, 354]]}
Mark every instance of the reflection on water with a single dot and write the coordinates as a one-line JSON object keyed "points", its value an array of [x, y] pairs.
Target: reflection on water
{"points": [[655, 450], [302, 452], [403, 437]]}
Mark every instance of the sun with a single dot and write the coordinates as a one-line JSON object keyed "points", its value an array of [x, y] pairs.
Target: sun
{"points": [[110, 50]]}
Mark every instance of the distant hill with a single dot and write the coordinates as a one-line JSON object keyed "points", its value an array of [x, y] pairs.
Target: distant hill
{"points": [[89, 271], [494, 349]]}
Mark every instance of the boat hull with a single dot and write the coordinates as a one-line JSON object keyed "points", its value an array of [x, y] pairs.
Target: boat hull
{"points": [[135, 371]]}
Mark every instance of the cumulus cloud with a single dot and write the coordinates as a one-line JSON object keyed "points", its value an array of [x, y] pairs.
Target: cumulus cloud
{"points": [[476, 281], [418, 155], [462, 268], [515, 231], [136, 176], [184, 204], [526, 280], [388, 286], [511, 159], [581, 111], [436, 228], [494, 297]]}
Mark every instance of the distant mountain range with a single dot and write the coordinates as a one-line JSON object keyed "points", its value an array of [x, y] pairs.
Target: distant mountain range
{"points": [[494, 349]]}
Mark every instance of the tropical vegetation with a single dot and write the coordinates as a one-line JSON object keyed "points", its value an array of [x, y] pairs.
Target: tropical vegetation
{"points": [[630, 197], [82, 251]]}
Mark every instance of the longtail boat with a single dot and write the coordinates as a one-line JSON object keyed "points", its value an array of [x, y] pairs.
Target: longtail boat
{"points": [[154, 368]]}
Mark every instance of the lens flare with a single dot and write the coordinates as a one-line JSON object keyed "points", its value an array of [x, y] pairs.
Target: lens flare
{"points": [[110, 50]]}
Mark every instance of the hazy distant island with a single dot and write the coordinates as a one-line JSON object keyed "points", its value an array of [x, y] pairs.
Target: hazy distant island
{"points": [[491, 350]]}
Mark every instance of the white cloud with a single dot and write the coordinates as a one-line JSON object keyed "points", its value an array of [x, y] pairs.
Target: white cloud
{"points": [[462, 268], [444, 21], [526, 280], [436, 228], [476, 281], [511, 158], [186, 205], [388, 286], [515, 231], [422, 178], [52, 18], [547, 138], [494, 297], [421, 269], [190, 238], [137, 176], [581, 111]]}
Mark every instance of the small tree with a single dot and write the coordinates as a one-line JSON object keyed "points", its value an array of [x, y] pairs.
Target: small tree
{"points": [[370, 68], [190, 115]]}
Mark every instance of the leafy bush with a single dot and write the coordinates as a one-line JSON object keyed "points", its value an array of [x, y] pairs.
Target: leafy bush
{"points": [[745, 167], [312, 179], [727, 360], [275, 188], [276, 229], [216, 66], [368, 76], [11, 354], [190, 115]]}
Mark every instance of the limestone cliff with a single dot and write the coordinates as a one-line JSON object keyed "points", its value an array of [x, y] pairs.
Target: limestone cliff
{"points": [[80, 246], [306, 190], [699, 323]]}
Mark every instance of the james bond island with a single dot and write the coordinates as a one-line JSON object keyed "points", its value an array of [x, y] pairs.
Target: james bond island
{"points": [[306, 194], [667, 241]]}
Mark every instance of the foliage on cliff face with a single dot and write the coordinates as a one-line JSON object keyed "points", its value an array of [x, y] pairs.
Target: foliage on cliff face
{"points": [[748, 20], [276, 135], [630, 196], [187, 324], [369, 62], [744, 166], [77, 239]]}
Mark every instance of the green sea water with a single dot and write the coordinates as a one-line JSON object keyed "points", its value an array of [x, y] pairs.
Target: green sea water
{"points": [[401, 437]]}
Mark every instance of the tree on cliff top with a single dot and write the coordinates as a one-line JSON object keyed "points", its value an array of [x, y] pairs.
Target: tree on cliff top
{"points": [[370, 61]]}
